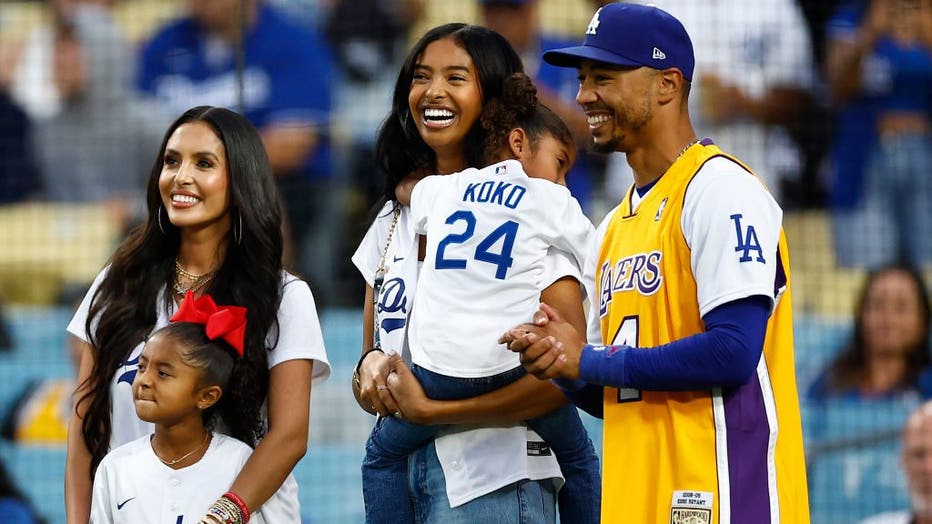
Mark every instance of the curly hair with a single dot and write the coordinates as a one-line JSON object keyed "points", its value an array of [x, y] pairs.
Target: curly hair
{"points": [[518, 107], [124, 308]]}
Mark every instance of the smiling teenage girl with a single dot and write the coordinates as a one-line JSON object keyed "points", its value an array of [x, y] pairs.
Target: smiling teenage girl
{"points": [[485, 474]]}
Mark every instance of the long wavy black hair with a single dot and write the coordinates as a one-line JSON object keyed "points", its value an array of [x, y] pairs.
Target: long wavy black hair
{"points": [[400, 150], [848, 368], [125, 306]]}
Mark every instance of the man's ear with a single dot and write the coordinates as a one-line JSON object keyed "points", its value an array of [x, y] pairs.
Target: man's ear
{"points": [[671, 84], [208, 396], [518, 145]]}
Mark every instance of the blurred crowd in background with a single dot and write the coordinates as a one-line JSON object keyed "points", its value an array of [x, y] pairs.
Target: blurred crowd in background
{"points": [[829, 101]]}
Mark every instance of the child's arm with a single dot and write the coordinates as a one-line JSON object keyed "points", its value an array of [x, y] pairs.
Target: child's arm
{"points": [[404, 188]]}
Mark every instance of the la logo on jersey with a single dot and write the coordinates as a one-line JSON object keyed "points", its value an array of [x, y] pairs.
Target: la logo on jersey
{"points": [[747, 241], [594, 23]]}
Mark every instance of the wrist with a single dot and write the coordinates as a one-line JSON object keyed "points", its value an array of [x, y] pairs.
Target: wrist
{"points": [[362, 359]]}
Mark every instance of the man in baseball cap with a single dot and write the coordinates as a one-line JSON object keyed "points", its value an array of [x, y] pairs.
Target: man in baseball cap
{"points": [[690, 355], [631, 35]]}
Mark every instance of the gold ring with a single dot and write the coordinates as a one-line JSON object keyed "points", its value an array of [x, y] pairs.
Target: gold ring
{"points": [[381, 388]]}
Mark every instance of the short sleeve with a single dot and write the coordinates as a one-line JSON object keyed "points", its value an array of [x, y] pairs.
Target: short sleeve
{"points": [[299, 333], [732, 226], [574, 230], [559, 264], [424, 196], [594, 321], [79, 321], [100, 496], [366, 257]]}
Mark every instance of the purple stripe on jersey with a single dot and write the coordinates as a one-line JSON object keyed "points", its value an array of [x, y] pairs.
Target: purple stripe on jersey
{"points": [[748, 434]]}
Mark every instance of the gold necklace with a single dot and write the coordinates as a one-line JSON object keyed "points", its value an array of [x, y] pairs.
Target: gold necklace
{"points": [[689, 145], [196, 281], [186, 455]]}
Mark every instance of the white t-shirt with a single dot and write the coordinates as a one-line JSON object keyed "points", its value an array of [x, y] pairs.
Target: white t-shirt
{"points": [[133, 486], [475, 461], [488, 233], [755, 46], [299, 337], [720, 189]]}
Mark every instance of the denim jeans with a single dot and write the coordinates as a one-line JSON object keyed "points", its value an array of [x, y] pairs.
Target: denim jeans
{"points": [[384, 469], [893, 220], [522, 502]]}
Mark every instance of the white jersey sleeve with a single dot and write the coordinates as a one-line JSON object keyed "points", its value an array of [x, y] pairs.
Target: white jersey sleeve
{"points": [[101, 503], [424, 196], [732, 226], [366, 256], [77, 325], [594, 331], [574, 231]]}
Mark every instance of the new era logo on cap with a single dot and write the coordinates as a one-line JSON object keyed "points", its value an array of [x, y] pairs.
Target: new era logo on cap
{"points": [[631, 35]]}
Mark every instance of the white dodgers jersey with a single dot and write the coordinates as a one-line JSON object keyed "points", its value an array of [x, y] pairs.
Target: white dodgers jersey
{"points": [[488, 233]]}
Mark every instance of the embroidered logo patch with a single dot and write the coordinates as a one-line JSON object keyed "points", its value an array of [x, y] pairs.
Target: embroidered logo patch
{"points": [[690, 516], [691, 507]]}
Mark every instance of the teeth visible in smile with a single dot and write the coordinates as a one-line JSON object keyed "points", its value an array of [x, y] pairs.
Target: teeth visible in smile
{"points": [[438, 114], [185, 199], [597, 119]]}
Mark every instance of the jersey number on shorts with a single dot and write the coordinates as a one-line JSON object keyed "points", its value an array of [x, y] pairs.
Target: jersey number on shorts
{"points": [[484, 251], [627, 335]]}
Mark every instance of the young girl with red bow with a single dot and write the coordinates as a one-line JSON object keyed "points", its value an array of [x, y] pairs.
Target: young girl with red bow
{"points": [[176, 474]]}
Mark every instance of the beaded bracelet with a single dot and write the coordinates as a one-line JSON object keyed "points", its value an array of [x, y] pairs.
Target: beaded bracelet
{"points": [[240, 503]]}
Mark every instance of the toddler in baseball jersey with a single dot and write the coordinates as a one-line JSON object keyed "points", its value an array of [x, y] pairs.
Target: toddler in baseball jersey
{"points": [[186, 370], [489, 232]]}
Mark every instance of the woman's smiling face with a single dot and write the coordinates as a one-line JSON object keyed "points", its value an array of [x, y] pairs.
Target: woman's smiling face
{"points": [[445, 98]]}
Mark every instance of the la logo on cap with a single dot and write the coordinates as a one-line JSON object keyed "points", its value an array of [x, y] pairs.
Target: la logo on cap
{"points": [[594, 23], [658, 54]]}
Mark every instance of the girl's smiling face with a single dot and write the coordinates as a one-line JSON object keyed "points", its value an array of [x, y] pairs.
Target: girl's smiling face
{"points": [[445, 98]]}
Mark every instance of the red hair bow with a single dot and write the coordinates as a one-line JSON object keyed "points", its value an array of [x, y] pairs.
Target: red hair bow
{"points": [[226, 322]]}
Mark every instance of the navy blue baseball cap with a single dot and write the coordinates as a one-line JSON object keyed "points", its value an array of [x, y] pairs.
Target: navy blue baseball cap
{"points": [[631, 35]]}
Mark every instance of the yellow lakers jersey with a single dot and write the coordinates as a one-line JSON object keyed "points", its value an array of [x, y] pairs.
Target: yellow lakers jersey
{"points": [[724, 456]]}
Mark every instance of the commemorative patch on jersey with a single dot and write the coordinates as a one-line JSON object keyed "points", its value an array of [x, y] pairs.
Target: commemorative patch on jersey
{"points": [[691, 507]]}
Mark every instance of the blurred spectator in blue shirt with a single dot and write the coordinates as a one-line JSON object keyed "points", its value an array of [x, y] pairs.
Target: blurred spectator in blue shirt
{"points": [[18, 177], [879, 70], [518, 22], [278, 74], [888, 355], [97, 147]]}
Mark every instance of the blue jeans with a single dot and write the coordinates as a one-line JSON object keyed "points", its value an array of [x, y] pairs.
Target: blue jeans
{"points": [[893, 220], [522, 502], [384, 468]]}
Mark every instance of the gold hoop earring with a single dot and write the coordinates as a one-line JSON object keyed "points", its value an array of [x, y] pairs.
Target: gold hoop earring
{"points": [[159, 216], [238, 231]]}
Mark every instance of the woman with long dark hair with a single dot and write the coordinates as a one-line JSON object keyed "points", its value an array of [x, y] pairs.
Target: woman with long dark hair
{"points": [[490, 472], [213, 226], [888, 353]]}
